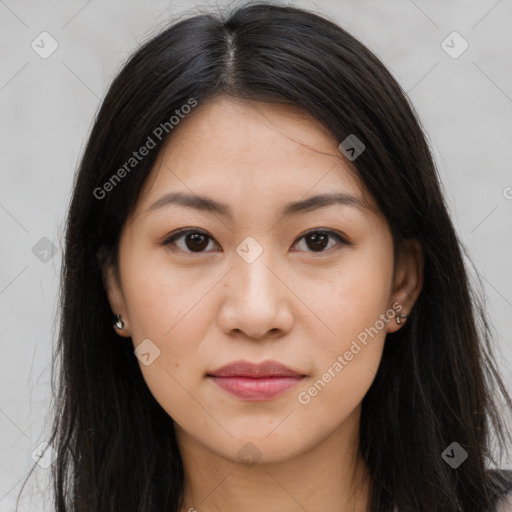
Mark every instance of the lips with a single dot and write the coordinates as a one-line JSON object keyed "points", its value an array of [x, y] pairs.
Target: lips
{"points": [[246, 369], [255, 382]]}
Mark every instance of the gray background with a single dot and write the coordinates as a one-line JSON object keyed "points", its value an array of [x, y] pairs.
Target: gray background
{"points": [[47, 107]]}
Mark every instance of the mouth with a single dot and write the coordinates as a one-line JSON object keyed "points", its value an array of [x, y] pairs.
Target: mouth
{"points": [[255, 382]]}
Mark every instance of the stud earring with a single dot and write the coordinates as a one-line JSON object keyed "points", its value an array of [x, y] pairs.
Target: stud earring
{"points": [[399, 318], [119, 324]]}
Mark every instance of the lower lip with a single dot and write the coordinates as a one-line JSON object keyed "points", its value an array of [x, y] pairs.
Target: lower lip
{"points": [[256, 389]]}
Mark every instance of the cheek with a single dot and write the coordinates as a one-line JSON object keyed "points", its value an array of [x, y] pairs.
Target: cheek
{"points": [[168, 307], [354, 295], [345, 364], [159, 296], [347, 357]]}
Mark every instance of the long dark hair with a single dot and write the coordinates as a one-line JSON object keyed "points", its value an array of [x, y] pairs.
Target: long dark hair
{"points": [[115, 445]]}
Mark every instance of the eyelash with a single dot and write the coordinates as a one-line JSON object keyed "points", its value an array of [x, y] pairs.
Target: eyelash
{"points": [[183, 232]]}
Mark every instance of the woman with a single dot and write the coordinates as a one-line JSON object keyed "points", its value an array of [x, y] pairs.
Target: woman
{"points": [[258, 216]]}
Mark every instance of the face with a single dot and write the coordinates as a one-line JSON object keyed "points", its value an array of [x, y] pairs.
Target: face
{"points": [[312, 288]]}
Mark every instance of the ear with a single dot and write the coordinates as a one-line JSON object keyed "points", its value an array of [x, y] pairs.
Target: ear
{"points": [[112, 285], [408, 280]]}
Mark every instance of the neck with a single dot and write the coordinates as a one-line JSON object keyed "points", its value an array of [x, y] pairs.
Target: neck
{"points": [[330, 476]]}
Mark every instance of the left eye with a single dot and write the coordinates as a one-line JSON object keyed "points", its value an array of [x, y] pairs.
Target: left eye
{"points": [[319, 240], [197, 241]]}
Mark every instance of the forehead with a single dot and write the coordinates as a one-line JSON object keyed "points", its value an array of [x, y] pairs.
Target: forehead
{"points": [[230, 148]]}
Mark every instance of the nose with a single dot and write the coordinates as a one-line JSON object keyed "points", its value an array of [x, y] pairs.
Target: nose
{"points": [[256, 300]]}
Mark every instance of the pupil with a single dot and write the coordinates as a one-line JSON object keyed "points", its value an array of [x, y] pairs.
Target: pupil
{"points": [[316, 238], [198, 241]]}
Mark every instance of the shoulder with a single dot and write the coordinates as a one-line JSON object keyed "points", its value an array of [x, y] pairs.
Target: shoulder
{"points": [[500, 485]]}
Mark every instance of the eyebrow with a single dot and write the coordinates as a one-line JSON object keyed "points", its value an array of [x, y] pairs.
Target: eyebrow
{"points": [[203, 203]]}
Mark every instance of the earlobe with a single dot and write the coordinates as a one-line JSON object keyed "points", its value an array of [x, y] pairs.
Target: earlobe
{"points": [[114, 293], [408, 281], [119, 326]]}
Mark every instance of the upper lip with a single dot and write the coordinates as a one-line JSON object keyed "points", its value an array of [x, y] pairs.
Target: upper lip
{"points": [[255, 370]]}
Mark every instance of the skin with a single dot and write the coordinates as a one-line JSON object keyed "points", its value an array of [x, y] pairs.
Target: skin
{"points": [[292, 304]]}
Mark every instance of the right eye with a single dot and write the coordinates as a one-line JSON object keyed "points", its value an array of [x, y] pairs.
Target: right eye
{"points": [[194, 240]]}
